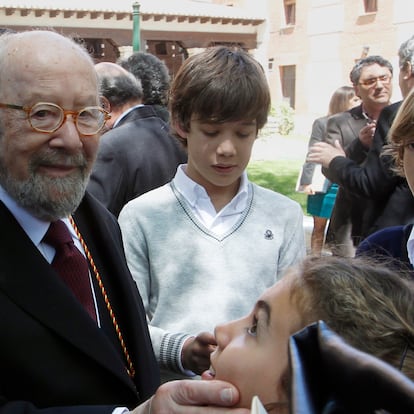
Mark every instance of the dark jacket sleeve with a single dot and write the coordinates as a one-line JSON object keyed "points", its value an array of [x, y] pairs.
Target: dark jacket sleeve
{"points": [[108, 182], [374, 178]]}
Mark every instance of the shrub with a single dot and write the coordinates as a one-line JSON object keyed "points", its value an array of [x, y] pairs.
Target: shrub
{"points": [[283, 115]]}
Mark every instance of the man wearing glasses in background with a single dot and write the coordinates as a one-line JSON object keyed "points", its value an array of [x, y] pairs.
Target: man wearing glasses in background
{"points": [[392, 203], [353, 132]]}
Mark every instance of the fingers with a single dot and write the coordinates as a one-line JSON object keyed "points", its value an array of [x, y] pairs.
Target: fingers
{"points": [[196, 352], [338, 145], [206, 338], [323, 153], [192, 396], [366, 134]]}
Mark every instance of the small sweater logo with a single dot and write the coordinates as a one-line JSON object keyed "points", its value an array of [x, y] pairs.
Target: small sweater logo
{"points": [[268, 235]]}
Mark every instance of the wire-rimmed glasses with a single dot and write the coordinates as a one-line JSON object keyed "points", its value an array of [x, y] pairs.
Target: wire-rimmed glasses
{"points": [[369, 83], [48, 117]]}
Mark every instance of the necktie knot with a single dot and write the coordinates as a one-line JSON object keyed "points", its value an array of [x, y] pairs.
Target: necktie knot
{"points": [[58, 235]]}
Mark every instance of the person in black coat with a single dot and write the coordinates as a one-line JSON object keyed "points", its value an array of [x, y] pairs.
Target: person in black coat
{"points": [[388, 199], [55, 357], [138, 154], [395, 244], [154, 76]]}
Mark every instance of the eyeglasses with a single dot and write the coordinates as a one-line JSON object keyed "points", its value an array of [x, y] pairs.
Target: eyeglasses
{"points": [[385, 79], [48, 117]]}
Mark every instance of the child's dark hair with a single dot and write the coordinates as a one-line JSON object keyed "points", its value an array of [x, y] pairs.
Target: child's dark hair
{"points": [[220, 84]]}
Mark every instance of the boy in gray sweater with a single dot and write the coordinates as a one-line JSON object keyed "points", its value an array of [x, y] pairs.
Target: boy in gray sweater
{"points": [[203, 247]]}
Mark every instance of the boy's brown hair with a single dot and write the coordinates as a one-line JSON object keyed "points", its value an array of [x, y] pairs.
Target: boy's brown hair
{"points": [[220, 84]]}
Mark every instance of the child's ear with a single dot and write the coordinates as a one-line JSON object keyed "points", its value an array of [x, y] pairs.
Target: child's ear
{"points": [[179, 129]]}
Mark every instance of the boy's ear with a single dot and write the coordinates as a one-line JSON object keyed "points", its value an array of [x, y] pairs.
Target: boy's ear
{"points": [[179, 129]]}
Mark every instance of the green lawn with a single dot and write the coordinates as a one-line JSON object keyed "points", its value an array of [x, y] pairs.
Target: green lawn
{"points": [[278, 176]]}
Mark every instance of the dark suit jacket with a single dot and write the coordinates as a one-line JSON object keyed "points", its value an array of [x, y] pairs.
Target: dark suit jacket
{"points": [[344, 127], [346, 215], [389, 246], [136, 156], [391, 202], [52, 353]]}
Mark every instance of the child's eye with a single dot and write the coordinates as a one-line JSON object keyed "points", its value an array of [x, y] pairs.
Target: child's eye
{"points": [[252, 330], [245, 134], [210, 133], [410, 146]]}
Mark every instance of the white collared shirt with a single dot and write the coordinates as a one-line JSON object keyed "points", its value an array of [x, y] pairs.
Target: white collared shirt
{"points": [[200, 202], [34, 227], [410, 247], [124, 114]]}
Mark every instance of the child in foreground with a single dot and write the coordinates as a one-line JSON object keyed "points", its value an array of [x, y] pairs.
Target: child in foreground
{"points": [[203, 247], [371, 307]]}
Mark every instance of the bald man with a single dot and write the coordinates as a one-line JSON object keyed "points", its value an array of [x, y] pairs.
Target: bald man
{"points": [[58, 357]]}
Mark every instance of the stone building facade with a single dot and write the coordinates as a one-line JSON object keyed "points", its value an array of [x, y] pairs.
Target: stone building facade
{"points": [[307, 47]]}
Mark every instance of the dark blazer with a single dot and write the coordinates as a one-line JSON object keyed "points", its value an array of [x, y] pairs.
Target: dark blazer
{"points": [[388, 245], [52, 353], [345, 219], [136, 156], [390, 199], [344, 127]]}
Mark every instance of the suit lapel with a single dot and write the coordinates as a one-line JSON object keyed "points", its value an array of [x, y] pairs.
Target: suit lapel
{"points": [[140, 112], [102, 235], [356, 121], [31, 283]]}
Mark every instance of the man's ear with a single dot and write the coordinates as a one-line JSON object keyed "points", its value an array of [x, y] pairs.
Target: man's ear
{"points": [[105, 103], [409, 71]]}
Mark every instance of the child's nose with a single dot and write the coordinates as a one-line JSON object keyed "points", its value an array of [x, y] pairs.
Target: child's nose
{"points": [[226, 147], [221, 332]]}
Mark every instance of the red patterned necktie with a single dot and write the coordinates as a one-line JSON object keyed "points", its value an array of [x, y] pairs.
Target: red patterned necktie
{"points": [[70, 264]]}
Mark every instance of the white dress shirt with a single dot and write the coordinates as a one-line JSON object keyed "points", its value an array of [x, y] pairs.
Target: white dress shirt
{"points": [[200, 202], [410, 247]]}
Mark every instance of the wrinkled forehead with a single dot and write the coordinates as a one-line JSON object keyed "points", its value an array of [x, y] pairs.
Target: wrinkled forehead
{"points": [[375, 69], [38, 58]]}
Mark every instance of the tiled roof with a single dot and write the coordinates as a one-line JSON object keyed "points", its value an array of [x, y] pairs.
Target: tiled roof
{"points": [[163, 7]]}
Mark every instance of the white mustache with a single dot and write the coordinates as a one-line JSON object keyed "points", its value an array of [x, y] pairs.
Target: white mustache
{"points": [[60, 158]]}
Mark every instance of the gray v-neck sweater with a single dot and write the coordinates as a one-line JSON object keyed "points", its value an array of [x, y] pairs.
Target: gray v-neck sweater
{"points": [[190, 279]]}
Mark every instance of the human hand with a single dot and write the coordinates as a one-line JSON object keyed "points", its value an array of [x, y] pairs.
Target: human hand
{"points": [[193, 397], [196, 352], [323, 153], [307, 189], [366, 134]]}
